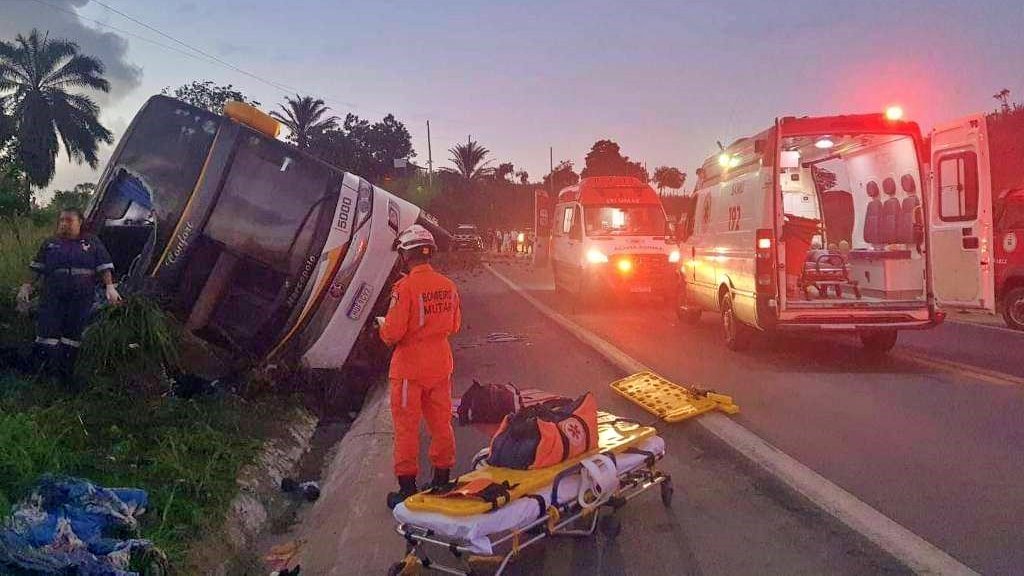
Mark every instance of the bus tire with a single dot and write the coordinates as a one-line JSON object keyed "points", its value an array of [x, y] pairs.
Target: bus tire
{"points": [[1013, 308], [685, 311], [734, 332], [878, 341]]}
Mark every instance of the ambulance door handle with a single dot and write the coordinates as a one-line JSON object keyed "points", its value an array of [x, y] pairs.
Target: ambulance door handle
{"points": [[970, 242]]}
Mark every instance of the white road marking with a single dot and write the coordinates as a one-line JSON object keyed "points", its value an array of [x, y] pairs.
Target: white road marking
{"points": [[915, 552]]}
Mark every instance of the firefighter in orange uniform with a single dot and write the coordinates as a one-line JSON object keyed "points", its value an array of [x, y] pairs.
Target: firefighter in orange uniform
{"points": [[424, 312]]}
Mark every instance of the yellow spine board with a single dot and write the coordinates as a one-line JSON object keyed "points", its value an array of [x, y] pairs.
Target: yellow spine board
{"points": [[614, 436], [669, 401]]}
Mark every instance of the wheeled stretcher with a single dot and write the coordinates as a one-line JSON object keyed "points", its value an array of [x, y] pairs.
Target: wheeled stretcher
{"points": [[458, 537]]}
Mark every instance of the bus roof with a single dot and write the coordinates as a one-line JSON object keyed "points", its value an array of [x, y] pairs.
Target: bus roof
{"points": [[602, 190]]}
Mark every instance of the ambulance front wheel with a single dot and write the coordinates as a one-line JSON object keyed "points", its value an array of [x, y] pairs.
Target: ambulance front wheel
{"points": [[1013, 308], [685, 311], [878, 341]]}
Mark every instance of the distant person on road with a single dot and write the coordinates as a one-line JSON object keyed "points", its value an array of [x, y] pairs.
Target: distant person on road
{"points": [[67, 265], [424, 312], [506, 242]]}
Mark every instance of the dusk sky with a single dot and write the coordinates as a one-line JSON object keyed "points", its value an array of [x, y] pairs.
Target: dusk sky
{"points": [[664, 79]]}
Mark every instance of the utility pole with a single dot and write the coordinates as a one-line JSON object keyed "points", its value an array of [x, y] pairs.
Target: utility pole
{"points": [[551, 172], [430, 160]]}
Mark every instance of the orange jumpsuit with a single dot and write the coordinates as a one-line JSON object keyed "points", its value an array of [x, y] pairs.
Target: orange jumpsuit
{"points": [[424, 312]]}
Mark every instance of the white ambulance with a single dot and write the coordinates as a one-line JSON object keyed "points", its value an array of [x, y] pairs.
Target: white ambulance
{"points": [[814, 224], [610, 236], [977, 215]]}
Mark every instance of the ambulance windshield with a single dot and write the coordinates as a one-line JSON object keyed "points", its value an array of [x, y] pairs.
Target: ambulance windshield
{"points": [[624, 220]]}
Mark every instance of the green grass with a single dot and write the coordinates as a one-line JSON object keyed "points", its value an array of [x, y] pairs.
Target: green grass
{"points": [[124, 428]]}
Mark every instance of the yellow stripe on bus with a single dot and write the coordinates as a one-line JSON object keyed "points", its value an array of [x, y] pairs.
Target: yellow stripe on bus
{"points": [[334, 258], [188, 205]]}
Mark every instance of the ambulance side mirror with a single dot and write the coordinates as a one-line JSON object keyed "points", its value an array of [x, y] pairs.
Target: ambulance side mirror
{"points": [[670, 232]]}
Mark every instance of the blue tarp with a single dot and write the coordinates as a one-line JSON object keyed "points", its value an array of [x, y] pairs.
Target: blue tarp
{"points": [[71, 526]]}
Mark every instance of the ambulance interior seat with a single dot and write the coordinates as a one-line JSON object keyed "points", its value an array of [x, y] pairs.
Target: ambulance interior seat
{"points": [[887, 227], [837, 210], [911, 204], [873, 215]]}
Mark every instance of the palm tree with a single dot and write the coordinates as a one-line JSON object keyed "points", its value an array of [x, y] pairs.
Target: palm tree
{"points": [[469, 161], [40, 74], [668, 177], [304, 117]]}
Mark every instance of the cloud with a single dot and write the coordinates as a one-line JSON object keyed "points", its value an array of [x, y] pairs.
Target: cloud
{"points": [[55, 16]]}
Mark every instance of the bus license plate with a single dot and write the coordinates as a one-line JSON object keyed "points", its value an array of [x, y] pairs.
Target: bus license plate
{"points": [[360, 301]]}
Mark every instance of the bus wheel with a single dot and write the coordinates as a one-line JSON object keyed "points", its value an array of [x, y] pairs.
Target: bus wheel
{"points": [[1013, 308], [686, 313], [736, 334], [878, 341]]}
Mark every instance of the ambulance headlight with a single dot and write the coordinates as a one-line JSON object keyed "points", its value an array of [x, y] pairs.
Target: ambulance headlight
{"points": [[673, 256], [595, 256]]}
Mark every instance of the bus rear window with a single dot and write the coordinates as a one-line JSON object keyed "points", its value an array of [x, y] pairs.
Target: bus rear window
{"points": [[270, 204]]}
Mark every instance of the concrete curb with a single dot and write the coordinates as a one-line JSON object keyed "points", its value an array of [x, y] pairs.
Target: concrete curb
{"points": [[354, 485], [259, 489], [913, 551]]}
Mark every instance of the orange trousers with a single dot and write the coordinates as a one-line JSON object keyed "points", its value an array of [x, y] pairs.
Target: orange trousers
{"points": [[430, 399]]}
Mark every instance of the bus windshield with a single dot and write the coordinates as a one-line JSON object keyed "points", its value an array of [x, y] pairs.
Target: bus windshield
{"points": [[624, 220]]}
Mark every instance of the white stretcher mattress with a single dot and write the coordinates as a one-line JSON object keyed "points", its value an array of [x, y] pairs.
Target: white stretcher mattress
{"points": [[475, 531]]}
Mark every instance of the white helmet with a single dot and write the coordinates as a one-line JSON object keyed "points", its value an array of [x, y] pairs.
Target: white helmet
{"points": [[416, 236]]}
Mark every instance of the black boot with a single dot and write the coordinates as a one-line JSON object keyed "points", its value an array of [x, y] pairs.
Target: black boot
{"points": [[66, 371], [442, 477], [406, 488]]}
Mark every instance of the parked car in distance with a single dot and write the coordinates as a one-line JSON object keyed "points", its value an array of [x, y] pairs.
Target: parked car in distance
{"points": [[466, 237]]}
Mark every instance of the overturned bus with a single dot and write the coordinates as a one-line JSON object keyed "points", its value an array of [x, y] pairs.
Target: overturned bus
{"points": [[257, 246]]}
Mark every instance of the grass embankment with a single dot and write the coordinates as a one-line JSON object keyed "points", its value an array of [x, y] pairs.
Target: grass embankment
{"points": [[123, 429]]}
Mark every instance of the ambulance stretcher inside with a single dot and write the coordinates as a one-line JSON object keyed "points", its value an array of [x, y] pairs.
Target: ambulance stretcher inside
{"points": [[562, 499]]}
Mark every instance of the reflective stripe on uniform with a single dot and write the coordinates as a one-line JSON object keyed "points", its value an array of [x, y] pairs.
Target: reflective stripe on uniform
{"points": [[70, 342], [47, 341], [405, 392], [102, 267], [36, 265], [423, 312], [75, 271]]}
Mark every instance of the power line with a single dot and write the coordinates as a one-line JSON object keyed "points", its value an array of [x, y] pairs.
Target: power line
{"points": [[119, 30], [196, 54], [282, 87]]}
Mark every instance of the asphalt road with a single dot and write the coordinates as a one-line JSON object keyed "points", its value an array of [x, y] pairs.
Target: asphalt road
{"points": [[936, 450], [728, 518]]}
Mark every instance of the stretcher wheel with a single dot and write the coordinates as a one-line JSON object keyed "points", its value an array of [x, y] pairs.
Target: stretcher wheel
{"points": [[667, 491], [611, 526]]}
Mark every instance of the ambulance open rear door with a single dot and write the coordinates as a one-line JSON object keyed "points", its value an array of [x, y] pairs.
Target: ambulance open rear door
{"points": [[960, 213]]}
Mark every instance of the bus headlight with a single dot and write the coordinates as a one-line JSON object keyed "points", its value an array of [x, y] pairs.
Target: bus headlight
{"points": [[673, 256], [595, 256]]}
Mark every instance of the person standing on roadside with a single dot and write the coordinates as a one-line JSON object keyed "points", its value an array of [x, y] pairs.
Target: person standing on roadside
{"points": [[424, 312], [67, 265]]}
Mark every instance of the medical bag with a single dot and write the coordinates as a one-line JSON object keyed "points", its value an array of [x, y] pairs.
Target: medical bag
{"points": [[545, 434]]}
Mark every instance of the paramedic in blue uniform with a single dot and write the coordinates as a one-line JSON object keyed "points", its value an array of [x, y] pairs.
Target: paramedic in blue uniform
{"points": [[68, 266]]}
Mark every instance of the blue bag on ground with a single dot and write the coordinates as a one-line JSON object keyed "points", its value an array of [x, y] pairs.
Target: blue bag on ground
{"points": [[71, 526]]}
